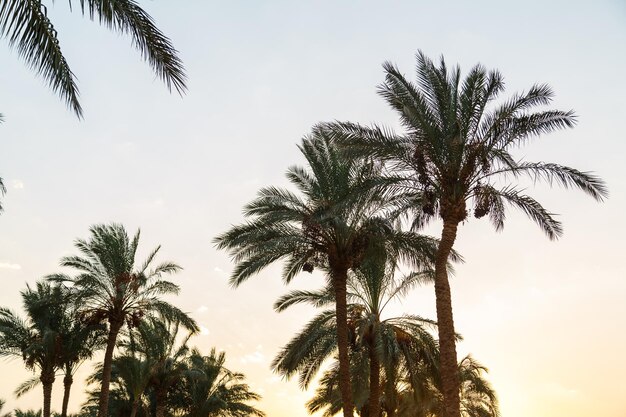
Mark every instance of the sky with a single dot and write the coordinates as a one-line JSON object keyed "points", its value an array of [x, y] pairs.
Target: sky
{"points": [[546, 318]]}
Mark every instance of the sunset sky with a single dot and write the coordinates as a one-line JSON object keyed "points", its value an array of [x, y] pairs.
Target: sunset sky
{"points": [[547, 318]]}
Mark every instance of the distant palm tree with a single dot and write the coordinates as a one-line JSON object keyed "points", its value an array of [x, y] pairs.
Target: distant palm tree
{"points": [[455, 154], [27, 413], [331, 225], [111, 289], [421, 396], [377, 343], [77, 342], [211, 390], [36, 339], [26, 25], [156, 341]]}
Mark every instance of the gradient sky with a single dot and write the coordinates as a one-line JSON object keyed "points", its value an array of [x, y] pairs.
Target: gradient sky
{"points": [[547, 318]]}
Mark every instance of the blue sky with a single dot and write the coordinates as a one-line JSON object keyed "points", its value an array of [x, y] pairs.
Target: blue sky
{"points": [[545, 317]]}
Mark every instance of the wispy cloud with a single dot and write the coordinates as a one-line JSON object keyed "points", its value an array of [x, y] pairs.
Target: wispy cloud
{"points": [[254, 357], [9, 265], [202, 310], [204, 331], [17, 184]]}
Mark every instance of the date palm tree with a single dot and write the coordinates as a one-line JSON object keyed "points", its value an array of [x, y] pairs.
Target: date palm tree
{"points": [[77, 342], [114, 289], [36, 339], [377, 343], [209, 389], [156, 342], [454, 155], [330, 225], [26, 26]]}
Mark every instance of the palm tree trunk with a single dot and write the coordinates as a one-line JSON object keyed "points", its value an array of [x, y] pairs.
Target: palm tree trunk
{"points": [[133, 410], [160, 404], [47, 379], [445, 323], [341, 311], [67, 385], [103, 406], [374, 400]]}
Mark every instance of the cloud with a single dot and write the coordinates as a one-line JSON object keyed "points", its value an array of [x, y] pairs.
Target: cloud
{"points": [[204, 331], [255, 357], [17, 184], [202, 309], [218, 270], [9, 265]]}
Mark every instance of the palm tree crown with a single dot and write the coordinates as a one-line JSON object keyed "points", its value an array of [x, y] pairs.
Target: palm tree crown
{"points": [[111, 288], [334, 223]]}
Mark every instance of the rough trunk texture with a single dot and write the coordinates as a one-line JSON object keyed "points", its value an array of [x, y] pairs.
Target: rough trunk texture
{"points": [[67, 386], [103, 406], [47, 379], [447, 340], [341, 311], [374, 400], [160, 404]]}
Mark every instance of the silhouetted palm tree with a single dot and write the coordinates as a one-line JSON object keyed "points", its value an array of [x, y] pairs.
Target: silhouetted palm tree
{"points": [[377, 343], [77, 342], [332, 224], [455, 154], [29, 30], [36, 339], [110, 288], [211, 390]]}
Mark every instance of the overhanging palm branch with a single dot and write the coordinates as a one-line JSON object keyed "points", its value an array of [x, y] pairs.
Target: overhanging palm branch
{"points": [[30, 32]]}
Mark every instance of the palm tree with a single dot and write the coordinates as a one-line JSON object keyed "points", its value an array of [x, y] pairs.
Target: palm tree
{"points": [[35, 339], [455, 154], [130, 376], [157, 344], [329, 226], [377, 343], [211, 390], [77, 342], [111, 288], [413, 392], [422, 397], [29, 30]]}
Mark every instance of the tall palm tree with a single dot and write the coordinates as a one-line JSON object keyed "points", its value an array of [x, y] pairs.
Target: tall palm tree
{"points": [[377, 343], [112, 288], [455, 154], [36, 339], [211, 390], [329, 225], [28, 29]]}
